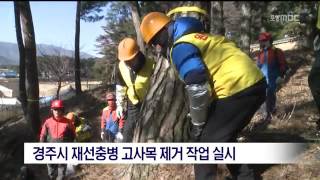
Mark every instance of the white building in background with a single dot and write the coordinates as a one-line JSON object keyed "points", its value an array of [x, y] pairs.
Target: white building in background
{"points": [[6, 91], [9, 101]]}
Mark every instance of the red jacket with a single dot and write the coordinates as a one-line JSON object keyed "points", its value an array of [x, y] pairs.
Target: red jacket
{"points": [[106, 116], [54, 130], [275, 59]]}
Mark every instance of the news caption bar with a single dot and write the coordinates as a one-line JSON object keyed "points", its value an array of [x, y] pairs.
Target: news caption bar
{"points": [[162, 153]]}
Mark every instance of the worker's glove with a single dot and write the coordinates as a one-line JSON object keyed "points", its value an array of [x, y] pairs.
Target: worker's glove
{"points": [[288, 72], [279, 80], [119, 112], [86, 128], [102, 136], [195, 132], [316, 43], [119, 137]]}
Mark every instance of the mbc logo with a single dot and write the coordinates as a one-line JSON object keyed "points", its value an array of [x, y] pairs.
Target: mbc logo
{"points": [[285, 18]]}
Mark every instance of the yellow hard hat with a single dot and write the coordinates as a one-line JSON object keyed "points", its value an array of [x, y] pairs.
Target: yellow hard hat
{"points": [[184, 9], [151, 24], [127, 49]]}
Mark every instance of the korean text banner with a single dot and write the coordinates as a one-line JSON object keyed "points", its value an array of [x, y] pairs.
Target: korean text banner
{"points": [[162, 153]]}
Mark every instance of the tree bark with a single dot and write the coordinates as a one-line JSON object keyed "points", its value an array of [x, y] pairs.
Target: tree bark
{"points": [[163, 118], [77, 52], [245, 28], [216, 18], [58, 89], [263, 16], [136, 15], [310, 27], [22, 72], [32, 87]]}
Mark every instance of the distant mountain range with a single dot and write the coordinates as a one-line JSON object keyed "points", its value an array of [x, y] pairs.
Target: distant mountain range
{"points": [[9, 53]]}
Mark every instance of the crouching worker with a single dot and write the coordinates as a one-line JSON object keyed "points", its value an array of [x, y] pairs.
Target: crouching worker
{"points": [[133, 81], [111, 124], [57, 129], [83, 128]]}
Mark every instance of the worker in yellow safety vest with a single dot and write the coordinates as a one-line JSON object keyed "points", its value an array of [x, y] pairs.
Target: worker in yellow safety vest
{"points": [[132, 82], [224, 86], [83, 129]]}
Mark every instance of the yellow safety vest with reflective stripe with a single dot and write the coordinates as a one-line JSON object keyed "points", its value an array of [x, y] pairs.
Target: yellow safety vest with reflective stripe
{"points": [[230, 69], [82, 136], [136, 91]]}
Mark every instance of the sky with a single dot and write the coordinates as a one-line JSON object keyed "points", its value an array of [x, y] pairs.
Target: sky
{"points": [[54, 24]]}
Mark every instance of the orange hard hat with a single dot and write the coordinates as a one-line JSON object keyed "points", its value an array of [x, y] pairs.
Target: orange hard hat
{"points": [[110, 96], [151, 24], [127, 49], [57, 104], [70, 116]]}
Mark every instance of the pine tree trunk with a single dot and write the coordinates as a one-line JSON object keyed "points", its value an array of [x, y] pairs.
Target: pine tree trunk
{"points": [[263, 21], [58, 89], [263, 16], [77, 52], [135, 11], [22, 72], [163, 116], [217, 20], [311, 25], [32, 87], [245, 26]]}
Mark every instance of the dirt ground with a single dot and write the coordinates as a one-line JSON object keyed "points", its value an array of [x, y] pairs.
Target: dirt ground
{"points": [[294, 121]]}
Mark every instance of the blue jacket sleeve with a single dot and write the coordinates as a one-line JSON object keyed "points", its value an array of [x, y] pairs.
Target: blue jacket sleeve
{"points": [[187, 60]]}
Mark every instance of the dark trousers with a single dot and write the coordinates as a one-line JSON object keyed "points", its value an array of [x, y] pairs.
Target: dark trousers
{"points": [[270, 101], [227, 117], [131, 121], [108, 136], [314, 82], [57, 171]]}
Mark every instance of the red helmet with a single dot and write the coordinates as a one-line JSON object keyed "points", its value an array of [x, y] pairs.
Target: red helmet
{"points": [[111, 96], [265, 36], [57, 104]]}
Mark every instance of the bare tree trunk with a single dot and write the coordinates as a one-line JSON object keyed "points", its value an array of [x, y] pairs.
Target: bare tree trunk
{"points": [[22, 72], [163, 118], [216, 18], [31, 67], [136, 15], [58, 90], [245, 28], [309, 29], [263, 15], [77, 52]]}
